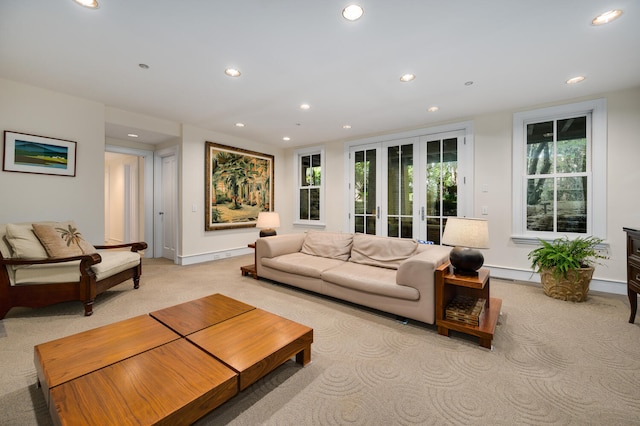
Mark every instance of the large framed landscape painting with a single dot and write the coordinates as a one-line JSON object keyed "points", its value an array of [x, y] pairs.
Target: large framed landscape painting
{"points": [[38, 154], [238, 186]]}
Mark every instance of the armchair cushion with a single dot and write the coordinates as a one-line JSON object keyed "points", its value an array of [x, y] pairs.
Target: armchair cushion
{"points": [[24, 243], [62, 239]]}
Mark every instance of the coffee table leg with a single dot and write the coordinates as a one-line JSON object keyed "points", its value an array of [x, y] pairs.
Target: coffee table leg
{"points": [[304, 356]]}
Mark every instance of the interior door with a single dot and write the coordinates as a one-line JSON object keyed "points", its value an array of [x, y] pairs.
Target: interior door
{"points": [[167, 215]]}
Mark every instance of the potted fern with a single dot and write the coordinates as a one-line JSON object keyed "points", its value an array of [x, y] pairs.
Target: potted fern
{"points": [[566, 266]]}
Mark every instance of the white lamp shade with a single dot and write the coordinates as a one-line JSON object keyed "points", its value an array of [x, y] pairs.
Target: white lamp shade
{"points": [[268, 220], [466, 232]]}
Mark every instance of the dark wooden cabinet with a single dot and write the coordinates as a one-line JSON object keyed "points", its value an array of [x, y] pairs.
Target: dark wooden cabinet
{"points": [[633, 269]]}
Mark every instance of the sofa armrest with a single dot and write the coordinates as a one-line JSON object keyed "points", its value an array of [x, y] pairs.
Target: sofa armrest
{"points": [[279, 245], [137, 246], [418, 270]]}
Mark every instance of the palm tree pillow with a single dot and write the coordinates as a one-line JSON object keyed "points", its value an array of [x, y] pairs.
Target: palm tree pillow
{"points": [[62, 239]]}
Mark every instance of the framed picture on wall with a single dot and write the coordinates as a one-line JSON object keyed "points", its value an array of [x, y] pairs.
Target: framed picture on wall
{"points": [[238, 186], [26, 153]]}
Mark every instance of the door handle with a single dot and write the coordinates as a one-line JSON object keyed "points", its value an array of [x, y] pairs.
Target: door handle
{"points": [[378, 212], [160, 213], [422, 213]]}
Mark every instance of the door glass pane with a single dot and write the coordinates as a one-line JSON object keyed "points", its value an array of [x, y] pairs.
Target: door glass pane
{"points": [[393, 180], [371, 225], [365, 190], [359, 224], [433, 178], [406, 227], [450, 177], [441, 185], [433, 230], [572, 204], [406, 182], [540, 204], [393, 227]]}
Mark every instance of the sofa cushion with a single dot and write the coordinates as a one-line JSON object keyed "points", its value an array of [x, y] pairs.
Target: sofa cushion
{"points": [[385, 252], [24, 242], [333, 245], [301, 264], [369, 279], [62, 239]]}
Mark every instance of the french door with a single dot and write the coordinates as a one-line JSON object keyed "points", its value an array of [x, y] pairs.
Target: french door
{"points": [[407, 187]]}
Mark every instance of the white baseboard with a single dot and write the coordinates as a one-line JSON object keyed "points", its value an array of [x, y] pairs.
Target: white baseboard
{"points": [[211, 256], [605, 286]]}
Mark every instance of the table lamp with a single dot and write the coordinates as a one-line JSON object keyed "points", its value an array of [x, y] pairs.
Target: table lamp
{"points": [[466, 235], [267, 221]]}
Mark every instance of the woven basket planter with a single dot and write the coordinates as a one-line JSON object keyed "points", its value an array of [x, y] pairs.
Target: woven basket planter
{"points": [[574, 287]]}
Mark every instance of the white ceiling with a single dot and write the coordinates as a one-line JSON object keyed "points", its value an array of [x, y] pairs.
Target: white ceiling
{"points": [[517, 53]]}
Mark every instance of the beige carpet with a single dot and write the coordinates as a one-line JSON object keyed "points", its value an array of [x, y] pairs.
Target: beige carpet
{"points": [[554, 362]]}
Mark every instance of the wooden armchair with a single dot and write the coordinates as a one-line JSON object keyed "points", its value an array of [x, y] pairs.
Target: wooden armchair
{"points": [[98, 272]]}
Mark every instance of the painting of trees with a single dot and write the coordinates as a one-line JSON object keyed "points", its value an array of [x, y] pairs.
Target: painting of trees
{"points": [[238, 186]]}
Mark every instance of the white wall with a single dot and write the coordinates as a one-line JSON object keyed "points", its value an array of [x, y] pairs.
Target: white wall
{"points": [[196, 244], [31, 197]]}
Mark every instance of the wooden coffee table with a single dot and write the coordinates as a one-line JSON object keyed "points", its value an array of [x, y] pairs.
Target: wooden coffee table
{"points": [[255, 343], [189, 317], [68, 358], [140, 371], [173, 384]]}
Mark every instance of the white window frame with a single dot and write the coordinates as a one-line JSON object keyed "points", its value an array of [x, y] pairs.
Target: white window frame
{"points": [[297, 155], [596, 203]]}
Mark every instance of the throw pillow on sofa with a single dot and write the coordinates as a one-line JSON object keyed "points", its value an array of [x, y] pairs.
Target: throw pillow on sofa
{"points": [[385, 252], [334, 245], [62, 240]]}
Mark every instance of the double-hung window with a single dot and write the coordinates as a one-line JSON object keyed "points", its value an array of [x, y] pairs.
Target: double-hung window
{"points": [[309, 166], [559, 162]]}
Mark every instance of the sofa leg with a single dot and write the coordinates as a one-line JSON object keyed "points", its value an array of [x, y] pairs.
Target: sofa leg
{"points": [[88, 308], [136, 282]]}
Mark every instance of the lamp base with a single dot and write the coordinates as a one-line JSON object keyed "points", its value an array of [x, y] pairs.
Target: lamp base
{"points": [[466, 261], [268, 232]]}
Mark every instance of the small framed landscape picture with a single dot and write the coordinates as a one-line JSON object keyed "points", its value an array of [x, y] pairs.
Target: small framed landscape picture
{"points": [[38, 154]]}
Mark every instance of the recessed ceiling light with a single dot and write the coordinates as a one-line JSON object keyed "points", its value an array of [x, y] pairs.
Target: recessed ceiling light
{"points": [[433, 109], [91, 4], [232, 72], [407, 77], [144, 66], [286, 138], [305, 106], [606, 17], [133, 135], [239, 124], [346, 126], [575, 80], [353, 12]]}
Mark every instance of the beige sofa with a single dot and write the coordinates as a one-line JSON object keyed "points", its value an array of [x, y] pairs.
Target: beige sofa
{"points": [[388, 274], [56, 265]]}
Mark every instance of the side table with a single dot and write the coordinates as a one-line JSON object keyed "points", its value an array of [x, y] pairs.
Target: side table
{"points": [[250, 269], [448, 285]]}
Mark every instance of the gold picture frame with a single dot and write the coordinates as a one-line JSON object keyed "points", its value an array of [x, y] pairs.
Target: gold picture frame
{"points": [[238, 186]]}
